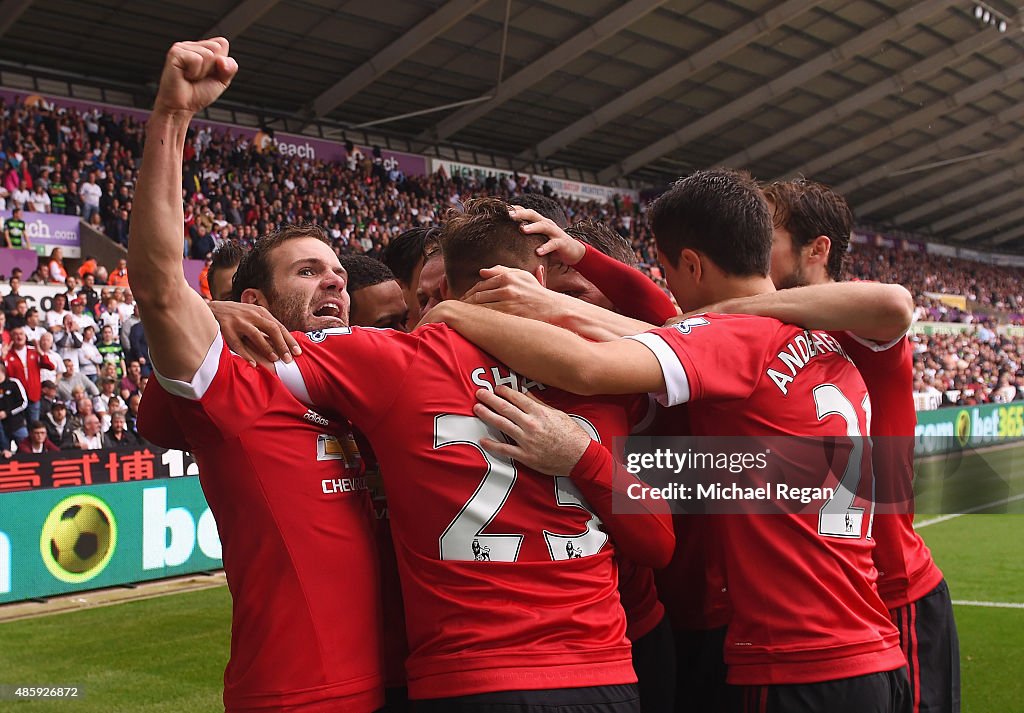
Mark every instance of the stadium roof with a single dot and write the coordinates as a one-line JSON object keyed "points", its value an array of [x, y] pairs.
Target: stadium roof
{"points": [[913, 109]]}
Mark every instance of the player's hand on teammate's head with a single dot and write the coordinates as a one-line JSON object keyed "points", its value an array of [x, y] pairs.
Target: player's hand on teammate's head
{"points": [[560, 244], [195, 74], [513, 291], [251, 332], [545, 439]]}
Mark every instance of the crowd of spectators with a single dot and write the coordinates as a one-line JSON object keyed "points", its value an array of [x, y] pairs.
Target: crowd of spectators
{"points": [[72, 367], [85, 164], [999, 289], [968, 369]]}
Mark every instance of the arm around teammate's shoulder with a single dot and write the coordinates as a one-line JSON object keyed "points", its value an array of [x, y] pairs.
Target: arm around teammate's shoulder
{"points": [[555, 356], [869, 310]]}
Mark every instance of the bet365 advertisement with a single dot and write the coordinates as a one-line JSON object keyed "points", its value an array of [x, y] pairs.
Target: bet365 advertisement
{"points": [[953, 429], [54, 541]]}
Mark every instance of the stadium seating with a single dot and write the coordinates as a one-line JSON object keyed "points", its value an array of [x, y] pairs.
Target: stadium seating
{"points": [[236, 190]]}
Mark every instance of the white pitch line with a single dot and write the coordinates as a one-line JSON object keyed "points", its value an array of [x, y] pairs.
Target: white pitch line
{"points": [[995, 605], [979, 508]]}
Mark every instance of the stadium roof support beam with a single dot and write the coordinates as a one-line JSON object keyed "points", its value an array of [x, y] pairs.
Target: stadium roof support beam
{"points": [[911, 121], [1008, 236], [385, 60], [241, 18], [669, 78], [992, 224], [932, 179], [949, 200], [919, 72], [775, 88], [946, 143], [10, 12], [537, 70], [985, 209]]}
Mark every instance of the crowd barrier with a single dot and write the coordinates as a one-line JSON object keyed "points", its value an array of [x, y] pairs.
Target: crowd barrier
{"points": [[947, 430]]}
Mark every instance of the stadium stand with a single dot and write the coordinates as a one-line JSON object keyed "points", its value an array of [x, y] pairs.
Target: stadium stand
{"points": [[86, 162]]}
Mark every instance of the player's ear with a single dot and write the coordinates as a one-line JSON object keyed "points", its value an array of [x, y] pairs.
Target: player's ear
{"points": [[541, 273], [690, 262], [443, 288], [252, 296], [818, 250]]}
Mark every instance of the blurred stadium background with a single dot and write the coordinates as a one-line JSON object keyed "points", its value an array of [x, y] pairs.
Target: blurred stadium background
{"points": [[372, 117]]}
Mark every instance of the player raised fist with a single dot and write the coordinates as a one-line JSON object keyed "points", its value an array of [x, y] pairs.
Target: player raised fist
{"points": [[194, 75]]}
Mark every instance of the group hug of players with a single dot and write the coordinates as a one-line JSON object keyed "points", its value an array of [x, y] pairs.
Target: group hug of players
{"points": [[500, 577]]}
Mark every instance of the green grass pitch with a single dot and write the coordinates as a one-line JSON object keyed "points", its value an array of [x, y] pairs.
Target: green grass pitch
{"points": [[167, 654]]}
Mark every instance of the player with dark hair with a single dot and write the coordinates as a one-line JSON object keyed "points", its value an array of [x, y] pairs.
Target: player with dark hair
{"points": [[291, 504], [445, 527], [404, 257], [808, 631], [427, 290], [812, 231], [599, 236], [545, 205], [223, 264], [375, 297], [376, 301], [569, 278], [818, 222]]}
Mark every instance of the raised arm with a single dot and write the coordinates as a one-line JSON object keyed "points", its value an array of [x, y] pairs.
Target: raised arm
{"points": [[179, 326], [869, 310], [555, 356]]}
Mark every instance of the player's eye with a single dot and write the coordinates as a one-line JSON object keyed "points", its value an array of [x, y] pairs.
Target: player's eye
{"points": [[306, 272]]}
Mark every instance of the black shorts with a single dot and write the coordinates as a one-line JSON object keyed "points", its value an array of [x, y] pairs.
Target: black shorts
{"points": [[396, 700], [654, 660], [593, 699], [885, 692], [929, 640], [700, 672]]}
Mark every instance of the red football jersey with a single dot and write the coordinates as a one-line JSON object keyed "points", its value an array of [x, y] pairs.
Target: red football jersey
{"points": [[692, 586], [156, 415], [805, 608], [634, 295], [906, 570], [508, 577], [395, 645], [296, 526]]}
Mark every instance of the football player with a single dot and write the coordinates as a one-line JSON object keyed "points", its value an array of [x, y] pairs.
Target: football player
{"points": [[812, 226], [808, 630], [291, 504]]}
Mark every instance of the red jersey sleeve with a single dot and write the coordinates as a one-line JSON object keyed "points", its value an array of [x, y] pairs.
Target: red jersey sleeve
{"points": [[352, 373], [645, 536], [223, 398], [631, 291], [710, 356], [156, 422]]}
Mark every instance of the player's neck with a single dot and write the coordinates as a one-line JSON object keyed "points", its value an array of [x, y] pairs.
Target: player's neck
{"points": [[737, 287]]}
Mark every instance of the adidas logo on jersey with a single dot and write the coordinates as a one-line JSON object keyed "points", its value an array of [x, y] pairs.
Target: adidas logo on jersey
{"points": [[314, 417]]}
